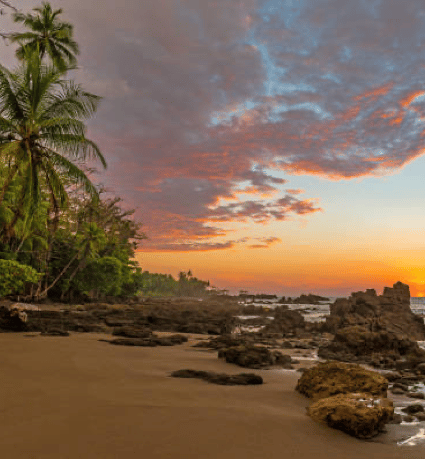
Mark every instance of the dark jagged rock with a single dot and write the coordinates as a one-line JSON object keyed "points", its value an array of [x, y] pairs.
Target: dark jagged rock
{"points": [[249, 356], [286, 321], [332, 378], [379, 348], [413, 408], [309, 299], [242, 379], [389, 312], [359, 415], [12, 320]]}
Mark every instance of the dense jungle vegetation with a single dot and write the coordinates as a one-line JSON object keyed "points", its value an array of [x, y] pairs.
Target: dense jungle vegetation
{"points": [[61, 236]]}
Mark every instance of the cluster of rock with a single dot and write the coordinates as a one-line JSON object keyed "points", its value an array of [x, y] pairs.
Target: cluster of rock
{"points": [[171, 315], [379, 330], [223, 379], [136, 336], [304, 299], [347, 397]]}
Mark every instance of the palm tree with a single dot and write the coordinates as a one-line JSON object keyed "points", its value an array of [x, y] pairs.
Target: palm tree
{"points": [[42, 133], [47, 35]]}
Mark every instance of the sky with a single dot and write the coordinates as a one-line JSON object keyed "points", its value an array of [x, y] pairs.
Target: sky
{"points": [[268, 145]]}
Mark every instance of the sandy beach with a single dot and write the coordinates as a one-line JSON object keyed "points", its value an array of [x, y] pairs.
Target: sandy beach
{"points": [[77, 397]]}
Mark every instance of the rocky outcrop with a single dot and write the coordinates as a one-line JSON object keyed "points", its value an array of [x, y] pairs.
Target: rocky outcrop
{"points": [[304, 299], [378, 348], [309, 299], [14, 320], [359, 415], [286, 321], [223, 379], [332, 378], [249, 356], [389, 312]]}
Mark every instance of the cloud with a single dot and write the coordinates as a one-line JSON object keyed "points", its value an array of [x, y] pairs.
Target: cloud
{"points": [[265, 242], [209, 107]]}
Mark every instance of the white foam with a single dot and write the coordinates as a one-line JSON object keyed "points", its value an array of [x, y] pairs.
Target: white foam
{"points": [[414, 440]]}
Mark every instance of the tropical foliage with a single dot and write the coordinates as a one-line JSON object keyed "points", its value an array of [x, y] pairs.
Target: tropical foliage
{"points": [[46, 36], [53, 219], [15, 277], [152, 284], [61, 236]]}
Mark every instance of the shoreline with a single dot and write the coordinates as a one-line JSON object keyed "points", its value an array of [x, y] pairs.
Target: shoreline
{"points": [[67, 397]]}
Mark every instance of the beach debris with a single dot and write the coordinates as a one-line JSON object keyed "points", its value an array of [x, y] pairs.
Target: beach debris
{"points": [[249, 356], [241, 379], [332, 378], [359, 415]]}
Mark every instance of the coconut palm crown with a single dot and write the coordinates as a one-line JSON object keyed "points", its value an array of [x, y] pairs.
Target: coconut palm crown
{"points": [[42, 132], [48, 35]]}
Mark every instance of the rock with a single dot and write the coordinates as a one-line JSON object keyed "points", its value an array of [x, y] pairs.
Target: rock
{"points": [[223, 341], [381, 348], [249, 356], [309, 299], [151, 341], [408, 418], [359, 415], [401, 386], [390, 312], [143, 342], [129, 331], [421, 368], [54, 332], [13, 319], [420, 416], [242, 379], [331, 378], [413, 409], [397, 391], [285, 321], [417, 395]]}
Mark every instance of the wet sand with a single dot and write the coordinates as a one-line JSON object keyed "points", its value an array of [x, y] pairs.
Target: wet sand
{"points": [[76, 397]]}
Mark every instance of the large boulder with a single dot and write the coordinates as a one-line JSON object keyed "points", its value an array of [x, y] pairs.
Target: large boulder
{"points": [[390, 312], [13, 319], [250, 356], [332, 378], [360, 415]]}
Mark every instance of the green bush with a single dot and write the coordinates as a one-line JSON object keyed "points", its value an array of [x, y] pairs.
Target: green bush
{"points": [[102, 275], [14, 277]]}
